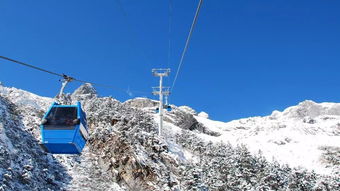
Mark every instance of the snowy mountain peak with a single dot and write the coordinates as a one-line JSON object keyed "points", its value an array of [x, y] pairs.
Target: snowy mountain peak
{"points": [[25, 98], [203, 114], [188, 110], [300, 135], [311, 109], [86, 88], [85, 91]]}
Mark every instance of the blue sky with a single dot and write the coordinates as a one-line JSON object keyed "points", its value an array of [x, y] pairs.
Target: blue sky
{"points": [[246, 58]]}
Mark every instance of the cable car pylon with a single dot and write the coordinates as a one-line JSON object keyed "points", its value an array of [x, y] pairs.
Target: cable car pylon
{"points": [[160, 90]]}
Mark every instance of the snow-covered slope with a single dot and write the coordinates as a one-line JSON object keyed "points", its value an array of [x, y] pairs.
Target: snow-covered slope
{"points": [[124, 151], [304, 135]]}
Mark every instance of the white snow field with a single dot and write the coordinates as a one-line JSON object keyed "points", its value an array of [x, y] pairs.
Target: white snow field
{"points": [[297, 136]]}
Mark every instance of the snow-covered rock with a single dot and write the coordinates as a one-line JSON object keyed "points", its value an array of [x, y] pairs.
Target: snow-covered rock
{"points": [[124, 151], [141, 103], [292, 137], [188, 110], [84, 92], [203, 115], [311, 109], [23, 164]]}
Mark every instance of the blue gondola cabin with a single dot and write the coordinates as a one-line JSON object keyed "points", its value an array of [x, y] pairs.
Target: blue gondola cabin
{"points": [[167, 107], [64, 129]]}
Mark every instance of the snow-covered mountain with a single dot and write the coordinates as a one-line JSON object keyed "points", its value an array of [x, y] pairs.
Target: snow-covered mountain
{"points": [[124, 152], [306, 135]]}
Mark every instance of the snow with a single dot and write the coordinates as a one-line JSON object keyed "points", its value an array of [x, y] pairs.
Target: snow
{"points": [[292, 137], [187, 109], [296, 136], [5, 140], [3, 137], [21, 97], [203, 115], [169, 132], [168, 128], [189, 156]]}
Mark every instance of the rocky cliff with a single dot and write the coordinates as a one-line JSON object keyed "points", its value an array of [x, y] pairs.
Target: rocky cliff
{"points": [[124, 151]]}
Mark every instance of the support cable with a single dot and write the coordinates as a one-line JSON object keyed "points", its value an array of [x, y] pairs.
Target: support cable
{"points": [[187, 42], [64, 76], [31, 66]]}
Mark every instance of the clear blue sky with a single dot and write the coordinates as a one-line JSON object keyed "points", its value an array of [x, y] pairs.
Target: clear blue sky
{"points": [[246, 58]]}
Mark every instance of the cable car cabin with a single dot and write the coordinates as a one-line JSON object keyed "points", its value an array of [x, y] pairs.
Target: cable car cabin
{"points": [[64, 129], [167, 107]]}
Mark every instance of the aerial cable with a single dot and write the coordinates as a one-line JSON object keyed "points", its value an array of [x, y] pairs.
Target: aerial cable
{"points": [[64, 76], [187, 42], [31, 66]]}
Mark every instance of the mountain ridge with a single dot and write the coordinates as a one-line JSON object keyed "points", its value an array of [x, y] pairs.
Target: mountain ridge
{"points": [[125, 153]]}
